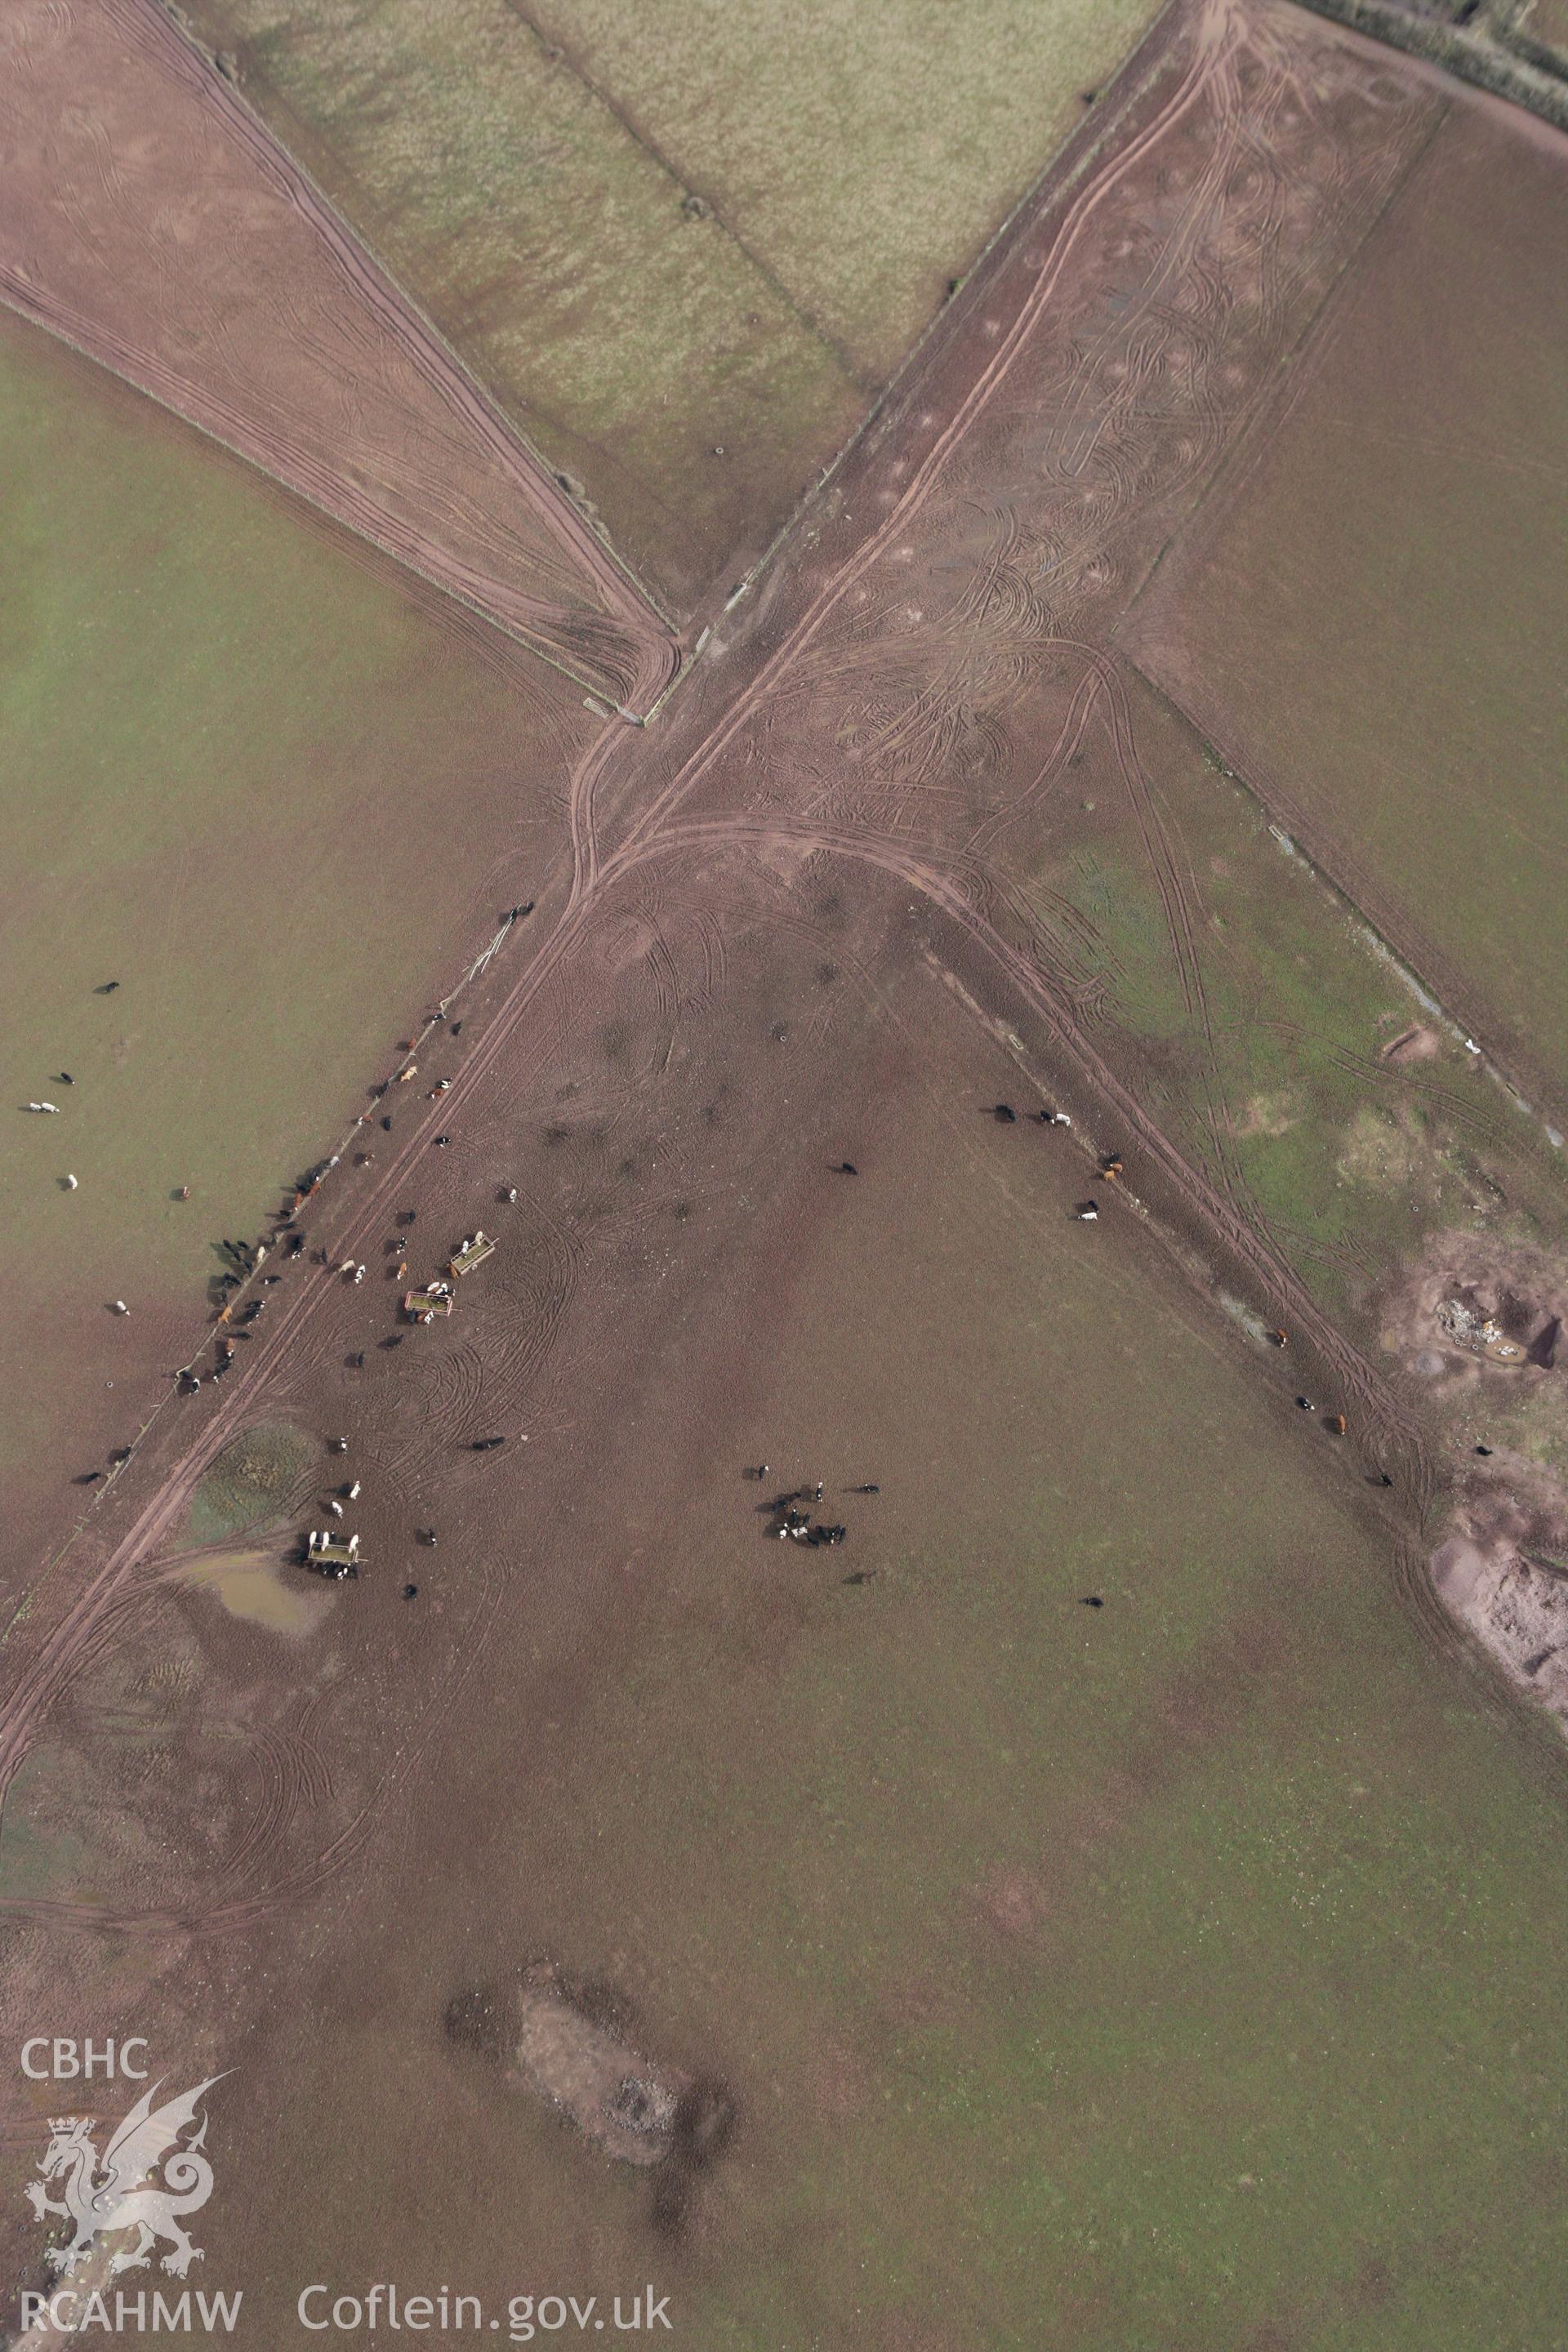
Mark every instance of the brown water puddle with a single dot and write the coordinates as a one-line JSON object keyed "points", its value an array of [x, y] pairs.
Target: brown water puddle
{"points": [[252, 1585]]}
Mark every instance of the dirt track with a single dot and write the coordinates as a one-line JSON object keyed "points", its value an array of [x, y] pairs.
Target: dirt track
{"points": [[799, 920], [880, 715], [160, 229]]}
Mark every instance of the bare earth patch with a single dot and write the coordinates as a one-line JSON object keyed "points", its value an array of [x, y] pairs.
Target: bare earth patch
{"points": [[1480, 1304], [574, 2056], [1484, 1318], [1417, 1044], [1517, 1612], [1268, 1114], [574, 2043]]}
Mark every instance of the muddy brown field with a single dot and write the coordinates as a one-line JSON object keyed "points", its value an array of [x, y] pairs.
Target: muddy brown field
{"points": [[912, 633], [265, 781], [1367, 621], [195, 260], [995, 1868]]}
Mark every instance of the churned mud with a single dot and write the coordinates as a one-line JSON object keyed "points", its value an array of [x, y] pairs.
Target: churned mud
{"points": [[576, 2045], [791, 999], [255, 1586], [1517, 1610], [1479, 1321], [1477, 1308]]}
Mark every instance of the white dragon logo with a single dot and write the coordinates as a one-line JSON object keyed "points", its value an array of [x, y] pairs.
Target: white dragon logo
{"points": [[122, 2198]]}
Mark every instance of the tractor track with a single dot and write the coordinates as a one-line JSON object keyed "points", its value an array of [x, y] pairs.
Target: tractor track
{"points": [[657, 820], [381, 428]]}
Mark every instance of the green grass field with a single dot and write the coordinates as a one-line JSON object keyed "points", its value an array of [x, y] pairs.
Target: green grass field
{"points": [[1178, 1971], [249, 780], [532, 179], [869, 155], [1187, 1963], [1275, 1082]]}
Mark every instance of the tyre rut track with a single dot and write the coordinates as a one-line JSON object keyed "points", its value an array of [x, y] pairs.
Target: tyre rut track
{"points": [[1386, 1422], [956, 883], [1211, 21]]}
